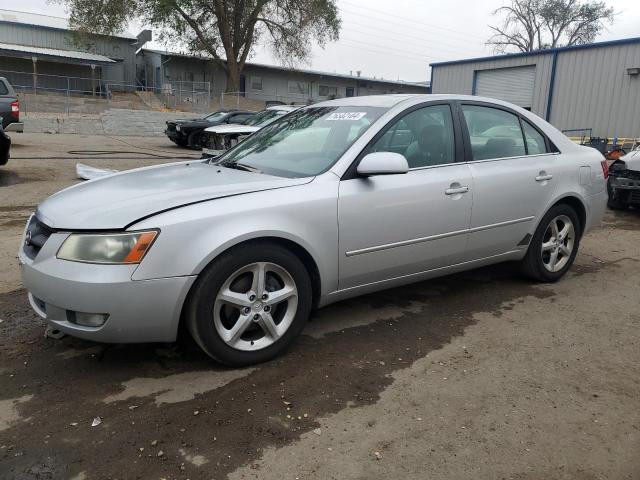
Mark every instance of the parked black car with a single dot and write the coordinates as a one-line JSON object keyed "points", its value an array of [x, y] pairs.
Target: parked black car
{"points": [[5, 144], [188, 133], [9, 107]]}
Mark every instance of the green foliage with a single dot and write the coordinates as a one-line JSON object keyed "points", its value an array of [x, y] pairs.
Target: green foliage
{"points": [[226, 30]]}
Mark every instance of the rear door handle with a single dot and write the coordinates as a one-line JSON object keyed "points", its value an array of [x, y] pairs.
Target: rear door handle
{"points": [[543, 177], [456, 190]]}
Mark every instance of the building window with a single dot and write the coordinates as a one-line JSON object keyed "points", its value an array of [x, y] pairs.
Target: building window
{"points": [[298, 88], [256, 83], [327, 91]]}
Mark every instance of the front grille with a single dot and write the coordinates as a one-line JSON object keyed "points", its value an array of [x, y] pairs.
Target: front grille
{"points": [[634, 196], [211, 141], [36, 236]]}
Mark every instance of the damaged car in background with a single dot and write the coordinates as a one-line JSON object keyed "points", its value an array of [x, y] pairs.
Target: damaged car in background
{"points": [[218, 139], [188, 132], [624, 181]]}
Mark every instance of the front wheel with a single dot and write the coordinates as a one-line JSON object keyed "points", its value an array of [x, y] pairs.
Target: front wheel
{"points": [[249, 304], [554, 245]]}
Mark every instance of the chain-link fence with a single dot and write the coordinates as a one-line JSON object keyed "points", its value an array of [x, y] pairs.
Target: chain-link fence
{"points": [[82, 95], [258, 101], [67, 95], [186, 96]]}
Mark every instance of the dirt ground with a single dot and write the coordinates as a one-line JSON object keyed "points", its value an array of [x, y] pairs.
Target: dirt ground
{"points": [[481, 375]]}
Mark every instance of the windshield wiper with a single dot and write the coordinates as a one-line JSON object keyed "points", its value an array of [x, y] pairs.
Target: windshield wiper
{"points": [[242, 166]]}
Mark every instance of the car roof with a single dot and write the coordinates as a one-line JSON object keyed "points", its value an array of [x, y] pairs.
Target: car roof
{"points": [[389, 101]]}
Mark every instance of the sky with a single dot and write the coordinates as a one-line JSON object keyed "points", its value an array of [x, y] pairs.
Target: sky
{"points": [[398, 39]]}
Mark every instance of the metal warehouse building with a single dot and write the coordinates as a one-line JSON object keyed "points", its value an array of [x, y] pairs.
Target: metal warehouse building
{"points": [[166, 70], [41, 50], [594, 86]]}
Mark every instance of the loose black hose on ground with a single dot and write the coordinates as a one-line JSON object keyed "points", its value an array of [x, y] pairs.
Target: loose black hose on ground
{"points": [[91, 154]]}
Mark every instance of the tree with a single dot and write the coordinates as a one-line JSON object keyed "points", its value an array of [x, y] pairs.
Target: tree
{"points": [[530, 25], [227, 30]]}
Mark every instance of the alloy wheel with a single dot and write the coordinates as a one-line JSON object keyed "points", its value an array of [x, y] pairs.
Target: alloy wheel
{"points": [[255, 306], [558, 243]]}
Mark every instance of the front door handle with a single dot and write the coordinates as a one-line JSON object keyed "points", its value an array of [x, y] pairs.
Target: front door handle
{"points": [[543, 177], [456, 190]]}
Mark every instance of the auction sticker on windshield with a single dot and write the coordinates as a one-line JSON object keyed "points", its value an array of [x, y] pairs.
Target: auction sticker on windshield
{"points": [[346, 116]]}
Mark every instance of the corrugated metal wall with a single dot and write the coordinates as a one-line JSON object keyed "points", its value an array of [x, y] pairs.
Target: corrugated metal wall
{"points": [[112, 47], [593, 90], [459, 78]]}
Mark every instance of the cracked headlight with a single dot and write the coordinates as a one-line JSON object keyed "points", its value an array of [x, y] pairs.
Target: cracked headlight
{"points": [[110, 248]]}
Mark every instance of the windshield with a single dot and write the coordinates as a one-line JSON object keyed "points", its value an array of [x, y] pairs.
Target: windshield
{"points": [[215, 116], [265, 117], [305, 143]]}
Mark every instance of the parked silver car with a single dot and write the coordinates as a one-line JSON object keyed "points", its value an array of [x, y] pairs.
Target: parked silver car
{"points": [[334, 200]]}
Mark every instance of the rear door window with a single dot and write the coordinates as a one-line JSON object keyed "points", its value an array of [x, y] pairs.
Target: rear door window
{"points": [[494, 133], [536, 144]]}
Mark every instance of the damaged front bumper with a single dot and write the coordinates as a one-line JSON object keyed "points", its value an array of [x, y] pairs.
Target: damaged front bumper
{"points": [[624, 186]]}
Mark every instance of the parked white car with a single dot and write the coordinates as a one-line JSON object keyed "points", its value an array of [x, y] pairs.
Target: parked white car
{"points": [[219, 138], [331, 201]]}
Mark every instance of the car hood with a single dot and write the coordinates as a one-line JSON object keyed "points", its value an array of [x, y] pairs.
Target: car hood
{"points": [[116, 201], [187, 120], [233, 128], [632, 159]]}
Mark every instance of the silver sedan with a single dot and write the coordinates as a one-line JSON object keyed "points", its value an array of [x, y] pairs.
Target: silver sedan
{"points": [[334, 200]]}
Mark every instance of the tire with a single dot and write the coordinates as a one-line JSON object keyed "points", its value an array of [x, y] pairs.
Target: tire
{"points": [[227, 328], [612, 202], [538, 264], [195, 140]]}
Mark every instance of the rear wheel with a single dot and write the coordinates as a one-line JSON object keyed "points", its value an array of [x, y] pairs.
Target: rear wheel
{"points": [[554, 245], [249, 304]]}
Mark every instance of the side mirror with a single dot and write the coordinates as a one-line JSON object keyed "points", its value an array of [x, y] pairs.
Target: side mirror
{"points": [[382, 163]]}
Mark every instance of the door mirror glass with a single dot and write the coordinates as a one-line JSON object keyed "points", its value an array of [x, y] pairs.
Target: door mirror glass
{"points": [[382, 163]]}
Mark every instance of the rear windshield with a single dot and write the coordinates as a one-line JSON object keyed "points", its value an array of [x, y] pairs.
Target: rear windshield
{"points": [[215, 116], [3, 88]]}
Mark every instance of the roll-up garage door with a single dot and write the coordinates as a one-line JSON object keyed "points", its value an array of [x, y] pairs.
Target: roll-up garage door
{"points": [[514, 85]]}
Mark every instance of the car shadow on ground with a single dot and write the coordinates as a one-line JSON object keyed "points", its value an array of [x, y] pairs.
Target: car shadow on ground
{"points": [[175, 393]]}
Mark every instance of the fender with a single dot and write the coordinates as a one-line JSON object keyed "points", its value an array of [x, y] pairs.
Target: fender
{"points": [[213, 227]]}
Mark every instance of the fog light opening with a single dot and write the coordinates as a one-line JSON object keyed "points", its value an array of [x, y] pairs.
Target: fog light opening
{"points": [[87, 319]]}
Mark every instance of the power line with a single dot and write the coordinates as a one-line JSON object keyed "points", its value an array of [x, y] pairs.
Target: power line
{"points": [[449, 31], [403, 50], [443, 41], [402, 37], [392, 51]]}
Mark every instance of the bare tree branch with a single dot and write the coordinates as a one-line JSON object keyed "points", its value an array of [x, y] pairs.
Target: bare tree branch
{"points": [[529, 25]]}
